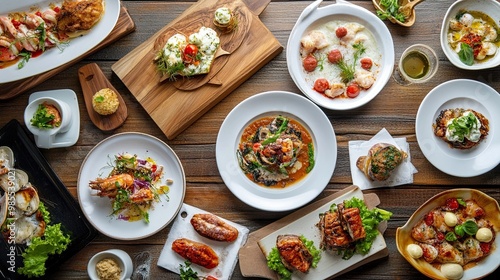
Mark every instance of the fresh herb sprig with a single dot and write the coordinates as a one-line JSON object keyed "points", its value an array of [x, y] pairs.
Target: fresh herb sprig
{"points": [[348, 70], [391, 10]]}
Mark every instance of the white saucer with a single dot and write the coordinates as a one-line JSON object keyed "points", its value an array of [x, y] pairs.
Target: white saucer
{"points": [[69, 137]]}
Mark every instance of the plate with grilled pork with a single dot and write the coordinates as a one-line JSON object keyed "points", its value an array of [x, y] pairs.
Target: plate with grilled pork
{"points": [[328, 240]]}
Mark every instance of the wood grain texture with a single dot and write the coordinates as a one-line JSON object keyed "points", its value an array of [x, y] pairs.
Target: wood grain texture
{"points": [[394, 108], [92, 80], [251, 46], [124, 26]]}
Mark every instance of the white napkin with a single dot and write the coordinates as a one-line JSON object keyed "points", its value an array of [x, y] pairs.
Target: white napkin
{"points": [[403, 174], [182, 228]]}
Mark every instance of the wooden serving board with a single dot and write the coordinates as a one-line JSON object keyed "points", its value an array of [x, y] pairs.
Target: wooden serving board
{"points": [[252, 261], [124, 26], [174, 105]]}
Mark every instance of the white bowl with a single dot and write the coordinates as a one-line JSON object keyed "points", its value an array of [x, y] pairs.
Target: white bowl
{"points": [[121, 257], [484, 266], [45, 137], [341, 10], [488, 7]]}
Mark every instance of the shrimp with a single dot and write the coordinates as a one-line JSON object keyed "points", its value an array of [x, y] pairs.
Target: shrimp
{"points": [[142, 195], [109, 186], [314, 40], [335, 90], [365, 79]]}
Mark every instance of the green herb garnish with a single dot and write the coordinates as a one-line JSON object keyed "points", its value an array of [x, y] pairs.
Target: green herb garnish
{"points": [[391, 10], [99, 98], [274, 260], [466, 54], [42, 118], [463, 125], [310, 155], [347, 70], [25, 57], [468, 227]]}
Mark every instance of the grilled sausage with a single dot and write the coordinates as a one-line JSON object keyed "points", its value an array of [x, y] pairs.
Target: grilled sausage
{"points": [[195, 252], [212, 227]]}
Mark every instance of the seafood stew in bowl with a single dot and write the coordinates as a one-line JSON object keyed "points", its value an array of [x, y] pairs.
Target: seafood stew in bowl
{"points": [[458, 228], [469, 34]]}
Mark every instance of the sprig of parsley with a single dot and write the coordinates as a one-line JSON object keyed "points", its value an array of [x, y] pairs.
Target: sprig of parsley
{"points": [[347, 70], [391, 10]]}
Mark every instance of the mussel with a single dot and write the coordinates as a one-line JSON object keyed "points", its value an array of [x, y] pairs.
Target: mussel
{"points": [[27, 200]]}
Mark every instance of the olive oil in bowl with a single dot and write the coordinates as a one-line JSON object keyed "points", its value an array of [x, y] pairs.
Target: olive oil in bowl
{"points": [[416, 65]]}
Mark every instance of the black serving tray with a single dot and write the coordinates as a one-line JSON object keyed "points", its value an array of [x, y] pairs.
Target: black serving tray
{"points": [[62, 206]]}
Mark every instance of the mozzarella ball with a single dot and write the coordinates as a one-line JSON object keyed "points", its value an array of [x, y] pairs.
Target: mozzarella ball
{"points": [[415, 251], [452, 271], [450, 219], [484, 235]]}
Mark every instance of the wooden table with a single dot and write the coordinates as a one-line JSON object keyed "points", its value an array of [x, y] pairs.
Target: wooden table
{"points": [[394, 108]]}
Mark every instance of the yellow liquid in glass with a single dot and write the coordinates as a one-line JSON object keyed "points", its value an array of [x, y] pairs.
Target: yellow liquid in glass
{"points": [[416, 65]]}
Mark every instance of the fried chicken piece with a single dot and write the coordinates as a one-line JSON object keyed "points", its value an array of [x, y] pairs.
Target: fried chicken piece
{"points": [[294, 254], [196, 252], [79, 15]]}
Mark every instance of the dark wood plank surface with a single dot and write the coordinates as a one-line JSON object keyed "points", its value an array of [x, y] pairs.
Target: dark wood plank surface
{"points": [[394, 108]]}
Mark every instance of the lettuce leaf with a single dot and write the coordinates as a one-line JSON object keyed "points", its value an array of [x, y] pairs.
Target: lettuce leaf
{"points": [[54, 241]]}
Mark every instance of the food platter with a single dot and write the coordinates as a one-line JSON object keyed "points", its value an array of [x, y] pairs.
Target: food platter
{"points": [[59, 202], [269, 104], [312, 17], [98, 209], [330, 264], [483, 267], [467, 94], [53, 57]]}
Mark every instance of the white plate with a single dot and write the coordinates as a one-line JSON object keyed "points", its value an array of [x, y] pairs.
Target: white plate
{"points": [[341, 10], [269, 104], [53, 57], [467, 94], [226, 251], [98, 209], [330, 263]]}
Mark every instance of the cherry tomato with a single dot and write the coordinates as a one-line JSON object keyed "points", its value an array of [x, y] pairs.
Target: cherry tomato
{"points": [[429, 219], [16, 23], [154, 168], [366, 63], [334, 56], [256, 147], [6, 54], [38, 13], [479, 213], [485, 247], [210, 277], [309, 63], [352, 90], [57, 9], [341, 32], [190, 52], [321, 84], [440, 235], [452, 203]]}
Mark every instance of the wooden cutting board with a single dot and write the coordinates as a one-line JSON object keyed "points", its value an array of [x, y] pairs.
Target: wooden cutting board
{"points": [[174, 105], [252, 261], [123, 26]]}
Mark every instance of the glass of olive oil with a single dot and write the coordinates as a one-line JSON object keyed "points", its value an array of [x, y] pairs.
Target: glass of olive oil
{"points": [[418, 64]]}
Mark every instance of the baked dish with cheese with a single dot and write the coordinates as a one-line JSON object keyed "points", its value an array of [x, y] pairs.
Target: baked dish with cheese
{"points": [[460, 128]]}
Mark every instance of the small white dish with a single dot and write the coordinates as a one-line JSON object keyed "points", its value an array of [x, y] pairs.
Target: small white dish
{"points": [[467, 94], [488, 7], [65, 135], [273, 103], [122, 259], [311, 17]]}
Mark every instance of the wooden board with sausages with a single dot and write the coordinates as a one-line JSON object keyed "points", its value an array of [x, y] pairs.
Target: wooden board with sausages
{"points": [[176, 104]]}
